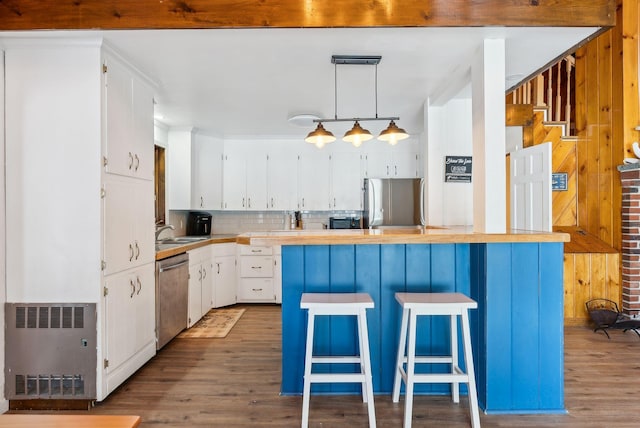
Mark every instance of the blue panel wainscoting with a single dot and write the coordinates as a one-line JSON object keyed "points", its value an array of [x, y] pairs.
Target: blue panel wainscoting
{"points": [[517, 331]]}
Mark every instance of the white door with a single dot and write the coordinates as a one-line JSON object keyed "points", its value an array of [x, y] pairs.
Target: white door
{"points": [[256, 181], [225, 280], [282, 180], [531, 188], [234, 182], [313, 182]]}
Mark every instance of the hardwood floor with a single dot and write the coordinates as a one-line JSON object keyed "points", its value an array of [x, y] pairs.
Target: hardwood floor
{"points": [[234, 382]]}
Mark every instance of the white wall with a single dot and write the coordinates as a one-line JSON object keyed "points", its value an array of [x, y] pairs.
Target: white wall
{"points": [[4, 405], [53, 96], [449, 133]]}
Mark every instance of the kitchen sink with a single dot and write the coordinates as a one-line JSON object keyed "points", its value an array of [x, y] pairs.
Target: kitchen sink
{"points": [[182, 240]]}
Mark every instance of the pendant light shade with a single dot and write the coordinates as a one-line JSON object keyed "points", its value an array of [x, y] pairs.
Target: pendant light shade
{"points": [[393, 134], [357, 135], [320, 136]]}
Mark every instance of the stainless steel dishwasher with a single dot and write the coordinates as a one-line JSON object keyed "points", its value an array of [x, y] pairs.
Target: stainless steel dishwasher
{"points": [[172, 297]]}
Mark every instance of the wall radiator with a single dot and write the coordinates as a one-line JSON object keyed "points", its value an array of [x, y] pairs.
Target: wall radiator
{"points": [[50, 351]]}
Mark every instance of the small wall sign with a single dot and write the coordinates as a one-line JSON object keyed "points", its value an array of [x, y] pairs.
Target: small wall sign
{"points": [[559, 181], [457, 169]]}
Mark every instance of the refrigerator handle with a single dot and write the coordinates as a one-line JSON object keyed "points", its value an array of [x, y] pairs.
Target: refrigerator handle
{"points": [[422, 221]]}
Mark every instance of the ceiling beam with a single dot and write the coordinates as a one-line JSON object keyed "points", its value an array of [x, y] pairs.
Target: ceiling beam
{"points": [[183, 14]]}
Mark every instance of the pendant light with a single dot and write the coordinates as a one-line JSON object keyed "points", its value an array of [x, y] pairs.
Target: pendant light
{"points": [[393, 134], [356, 135], [320, 136]]}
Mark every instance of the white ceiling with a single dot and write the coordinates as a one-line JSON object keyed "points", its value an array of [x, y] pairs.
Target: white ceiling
{"points": [[238, 83]]}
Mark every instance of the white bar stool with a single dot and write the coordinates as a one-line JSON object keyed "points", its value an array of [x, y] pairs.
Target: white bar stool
{"points": [[338, 304], [454, 305]]}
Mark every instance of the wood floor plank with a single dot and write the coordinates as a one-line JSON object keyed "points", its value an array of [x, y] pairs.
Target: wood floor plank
{"points": [[235, 382]]}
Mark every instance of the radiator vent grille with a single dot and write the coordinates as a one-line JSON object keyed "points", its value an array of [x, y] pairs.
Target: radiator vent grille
{"points": [[49, 317], [49, 385], [50, 351]]}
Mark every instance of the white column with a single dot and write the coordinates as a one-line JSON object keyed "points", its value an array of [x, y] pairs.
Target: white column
{"points": [[488, 112]]}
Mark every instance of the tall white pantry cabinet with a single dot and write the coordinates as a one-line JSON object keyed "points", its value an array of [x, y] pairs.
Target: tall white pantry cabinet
{"points": [[79, 179]]}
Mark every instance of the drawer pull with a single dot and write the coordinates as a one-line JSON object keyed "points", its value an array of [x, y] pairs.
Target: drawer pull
{"points": [[256, 267], [256, 251], [256, 289]]}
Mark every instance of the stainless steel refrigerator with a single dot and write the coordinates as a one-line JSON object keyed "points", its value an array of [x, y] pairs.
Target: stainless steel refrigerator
{"points": [[393, 202]]}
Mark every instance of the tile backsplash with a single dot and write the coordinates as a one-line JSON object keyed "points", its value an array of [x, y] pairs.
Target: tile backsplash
{"points": [[235, 222]]}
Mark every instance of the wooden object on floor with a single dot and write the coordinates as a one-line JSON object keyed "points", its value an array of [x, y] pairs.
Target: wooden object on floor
{"points": [[216, 323], [453, 305], [68, 421], [352, 304]]}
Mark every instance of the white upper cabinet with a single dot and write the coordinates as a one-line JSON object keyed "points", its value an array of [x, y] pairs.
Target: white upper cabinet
{"points": [[392, 163], [128, 148], [314, 181], [245, 181], [282, 180], [346, 181], [256, 181], [206, 181], [178, 161], [234, 182]]}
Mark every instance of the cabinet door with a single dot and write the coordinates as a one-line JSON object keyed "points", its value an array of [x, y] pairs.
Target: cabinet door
{"points": [[256, 181], [277, 276], [128, 235], [346, 181], [207, 295], [378, 164], [195, 293], [118, 98], [119, 225], [313, 173], [142, 130], [234, 182], [405, 165], [145, 307], [225, 280], [121, 318], [282, 181], [207, 174]]}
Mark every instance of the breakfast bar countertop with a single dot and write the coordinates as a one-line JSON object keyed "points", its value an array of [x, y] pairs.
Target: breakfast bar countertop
{"points": [[427, 235]]}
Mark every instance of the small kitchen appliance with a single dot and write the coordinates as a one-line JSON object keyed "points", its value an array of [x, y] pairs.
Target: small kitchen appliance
{"points": [[344, 222], [198, 223]]}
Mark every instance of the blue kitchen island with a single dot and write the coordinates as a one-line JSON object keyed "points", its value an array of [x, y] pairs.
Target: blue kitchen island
{"points": [[516, 278]]}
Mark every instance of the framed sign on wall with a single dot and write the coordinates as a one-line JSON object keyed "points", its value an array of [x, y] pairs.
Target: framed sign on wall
{"points": [[457, 169]]}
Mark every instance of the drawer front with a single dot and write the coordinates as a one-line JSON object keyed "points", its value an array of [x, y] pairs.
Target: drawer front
{"points": [[256, 290], [256, 267], [254, 250]]}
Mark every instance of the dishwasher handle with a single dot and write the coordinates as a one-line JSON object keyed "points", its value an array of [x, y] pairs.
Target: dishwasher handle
{"points": [[174, 266]]}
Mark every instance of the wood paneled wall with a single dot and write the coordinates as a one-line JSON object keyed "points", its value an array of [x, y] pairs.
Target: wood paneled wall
{"points": [[601, 143]]}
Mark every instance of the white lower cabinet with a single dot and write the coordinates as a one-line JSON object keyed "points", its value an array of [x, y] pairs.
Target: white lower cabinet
{"points": [[129, 311], [200, 284], [224, 274], [257, 281]]}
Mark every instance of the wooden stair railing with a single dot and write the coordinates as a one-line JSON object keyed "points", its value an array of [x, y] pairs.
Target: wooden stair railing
{"points": [[552, 91]]}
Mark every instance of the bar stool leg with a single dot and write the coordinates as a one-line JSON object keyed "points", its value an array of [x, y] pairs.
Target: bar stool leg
{"points": [[411, 365], [365, 360], [455, 386], [468, 360], [397, 382], [307, 369]]}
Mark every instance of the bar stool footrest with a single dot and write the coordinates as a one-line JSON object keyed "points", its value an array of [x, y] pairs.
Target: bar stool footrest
{"points": [[337, 377], [336, 360]]}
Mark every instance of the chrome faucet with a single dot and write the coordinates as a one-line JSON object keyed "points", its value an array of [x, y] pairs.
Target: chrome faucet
{"points": [[161, 228]]}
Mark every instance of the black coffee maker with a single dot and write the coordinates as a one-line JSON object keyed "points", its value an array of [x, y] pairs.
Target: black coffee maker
{"points": [[198, 223]]}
